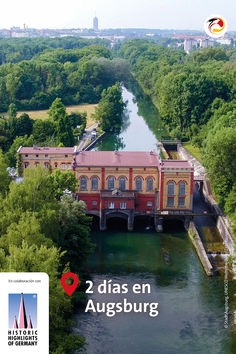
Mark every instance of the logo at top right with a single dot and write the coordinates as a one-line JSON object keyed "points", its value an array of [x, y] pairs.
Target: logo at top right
{"points": [[215, 26]]}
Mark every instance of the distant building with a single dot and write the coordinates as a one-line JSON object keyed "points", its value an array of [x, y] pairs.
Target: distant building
{"points": [[192, 42], [95, 23], [204, 43], [189, 44], [224, 41]]}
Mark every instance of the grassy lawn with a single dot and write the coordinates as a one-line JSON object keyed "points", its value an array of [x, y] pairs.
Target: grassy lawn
{"points": [[195, 151], [89, 108]]}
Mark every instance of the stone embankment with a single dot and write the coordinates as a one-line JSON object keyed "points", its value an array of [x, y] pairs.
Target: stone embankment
{"points": [[201, 252], [222, 223]]}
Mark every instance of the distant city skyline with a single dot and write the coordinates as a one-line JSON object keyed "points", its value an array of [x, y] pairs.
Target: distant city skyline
{"points": [[158, 14]]}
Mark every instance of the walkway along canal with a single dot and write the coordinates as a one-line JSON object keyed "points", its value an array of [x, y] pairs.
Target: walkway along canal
{"points": [[191, 305]]}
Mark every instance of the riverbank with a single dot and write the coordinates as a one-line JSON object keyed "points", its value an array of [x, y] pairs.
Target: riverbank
{"points": [[201, 252], [223, 223]]}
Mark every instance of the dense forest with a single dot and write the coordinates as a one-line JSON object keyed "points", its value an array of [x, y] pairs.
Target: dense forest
{"points": [[196, 98], [54, 73], [14, 50], [44, 231], [76, 75]]}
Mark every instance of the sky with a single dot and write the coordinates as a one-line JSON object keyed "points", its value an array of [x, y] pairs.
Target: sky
{"points": [[163, 14], [30, 301]]}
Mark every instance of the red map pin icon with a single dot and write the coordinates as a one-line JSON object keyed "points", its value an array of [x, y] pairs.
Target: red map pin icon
{"points": [[69, 289]]}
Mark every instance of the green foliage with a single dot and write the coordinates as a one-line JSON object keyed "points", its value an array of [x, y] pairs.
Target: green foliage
{"points": [[203, 55], [27, 229], [12, 111], [13, 50], [24, 125], [75, 75], [57, 111], [76, 229], [11, 155], [220, 160], [36, 229], [195, 95], [110, 108], [42, 129], [63, 123], [34, 195], [61, 181], [4, 176], [230, 205], [19, 165]]}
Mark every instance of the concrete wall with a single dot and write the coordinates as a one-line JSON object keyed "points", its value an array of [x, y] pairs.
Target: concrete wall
{"points": [[197, 243], [223, 223]]}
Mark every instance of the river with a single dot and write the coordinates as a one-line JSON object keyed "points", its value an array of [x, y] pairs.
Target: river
{"points": [[191, 305]]}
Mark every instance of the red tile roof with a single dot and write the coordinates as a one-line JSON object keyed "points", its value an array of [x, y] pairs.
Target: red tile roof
{"points": [[176, 164], [117, 158], [46, 150]]}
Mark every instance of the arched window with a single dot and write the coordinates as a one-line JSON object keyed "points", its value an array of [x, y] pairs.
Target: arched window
{"points": [[111, 183], [150, 184], [83, 183], [138, 183], [182, 188], [171, 188], [94, 184], [122, 183]]}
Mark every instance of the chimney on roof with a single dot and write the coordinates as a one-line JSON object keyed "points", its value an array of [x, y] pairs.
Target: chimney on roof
{"points": [[151, 152], [35, 146]]}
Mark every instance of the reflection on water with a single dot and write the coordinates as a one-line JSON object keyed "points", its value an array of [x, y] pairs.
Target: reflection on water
{"points": [[135, 134], [191, 305]]}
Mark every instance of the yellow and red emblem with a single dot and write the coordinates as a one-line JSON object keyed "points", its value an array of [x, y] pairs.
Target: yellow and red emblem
{"points": [[215, 26]]}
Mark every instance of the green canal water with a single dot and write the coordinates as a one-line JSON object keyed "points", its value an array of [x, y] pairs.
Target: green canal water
{"points": [[191, 305]]}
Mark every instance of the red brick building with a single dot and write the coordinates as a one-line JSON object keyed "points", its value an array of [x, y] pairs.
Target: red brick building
{"points": [[121, 183]]}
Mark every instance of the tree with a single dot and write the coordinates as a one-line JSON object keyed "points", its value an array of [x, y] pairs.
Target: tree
{"points": [[61, 181], [18, 141], [12, 111], [110, 108], [35, 195], [64, 131], [24, 125], [4, 176], [42, 259], [42, 129], [75, 230], [230, 205], [57, 110], [202, 55], [220, 160], [57, 113], [27, 229], [12, 121]]}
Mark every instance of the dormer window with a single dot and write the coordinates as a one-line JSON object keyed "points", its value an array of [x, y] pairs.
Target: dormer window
{"points": [[37, 155], [26, 155], [66, 155], [46, 155]]}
